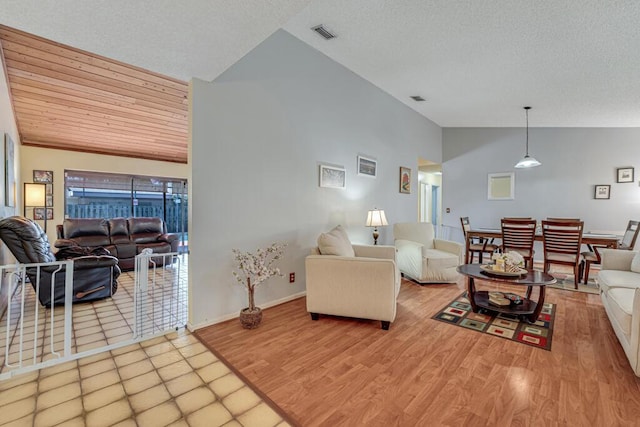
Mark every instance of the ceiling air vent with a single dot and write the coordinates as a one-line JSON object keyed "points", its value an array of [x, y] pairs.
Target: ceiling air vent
{"points": [[417, 98], [320, 29]]}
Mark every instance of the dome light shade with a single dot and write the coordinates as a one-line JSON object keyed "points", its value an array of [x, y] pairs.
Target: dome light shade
{"points": [[527, 161]]}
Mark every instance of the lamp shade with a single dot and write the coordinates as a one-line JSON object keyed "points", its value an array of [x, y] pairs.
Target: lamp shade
{"points": [[376, 218], [34, 194], [527, 162]]}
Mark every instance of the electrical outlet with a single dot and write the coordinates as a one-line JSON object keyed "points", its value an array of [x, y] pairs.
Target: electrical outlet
{"points": [[292, 277]]}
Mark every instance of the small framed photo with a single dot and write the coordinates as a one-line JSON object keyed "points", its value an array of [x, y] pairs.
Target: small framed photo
{"points": [[38, 213], [625, 175], [49, 200], [333, 177], [49, 189], [367, 166], [405, 180], [43, 176], [602, 192]]}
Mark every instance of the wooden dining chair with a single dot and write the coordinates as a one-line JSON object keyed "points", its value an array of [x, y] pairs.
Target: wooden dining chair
{"points": [[628, 242], [518, 234], [480, 245], [561, 241]]}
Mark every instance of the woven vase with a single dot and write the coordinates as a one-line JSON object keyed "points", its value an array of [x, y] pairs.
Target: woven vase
{"points": [[250, 319]]}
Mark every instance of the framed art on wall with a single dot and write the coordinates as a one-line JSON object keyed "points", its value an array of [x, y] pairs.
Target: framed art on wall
{"points": [[624, 175], [501, 186], [332, 177], [38, 213], [602, 192], [367, 166], [405, 180], [43, 176]]}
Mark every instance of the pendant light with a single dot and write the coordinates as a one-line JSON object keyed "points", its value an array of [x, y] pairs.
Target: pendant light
{"points": [[527, 161]]}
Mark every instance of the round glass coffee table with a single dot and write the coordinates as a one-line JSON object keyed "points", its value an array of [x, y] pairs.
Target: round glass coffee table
{"points": [[529, 309]]}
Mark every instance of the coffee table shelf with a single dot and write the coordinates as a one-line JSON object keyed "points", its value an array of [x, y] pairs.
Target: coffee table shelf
{"points": [[529, 309]]}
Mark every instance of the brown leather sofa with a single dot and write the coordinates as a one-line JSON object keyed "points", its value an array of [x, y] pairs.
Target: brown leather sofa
{"points": [[94, 276], [124, 238]]}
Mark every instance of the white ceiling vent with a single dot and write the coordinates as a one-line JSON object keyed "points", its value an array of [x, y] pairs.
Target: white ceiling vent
{"points": [[320, 29]]}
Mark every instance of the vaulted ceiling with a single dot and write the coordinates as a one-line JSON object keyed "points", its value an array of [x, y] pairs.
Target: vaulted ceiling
{"points": [[475, 63], [69, 99]]}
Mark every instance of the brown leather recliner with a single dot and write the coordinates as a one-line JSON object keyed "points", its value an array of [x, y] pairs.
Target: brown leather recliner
{"points": [[94, 277], [124, 238]]}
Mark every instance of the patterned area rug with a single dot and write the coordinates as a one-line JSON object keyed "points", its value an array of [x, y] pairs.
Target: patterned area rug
{"points": [[459, 313], [565, 280]]}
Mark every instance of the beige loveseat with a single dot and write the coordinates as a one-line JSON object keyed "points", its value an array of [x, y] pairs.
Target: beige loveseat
{"points": [[353, 281], [619, 280], [424, 258]]}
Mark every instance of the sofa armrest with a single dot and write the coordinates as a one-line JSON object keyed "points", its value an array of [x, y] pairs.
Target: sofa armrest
{"points": [[377, 251], [616, 259], [168, 237], [351, 286], [87, 262], [65, 243], [448, 246]]}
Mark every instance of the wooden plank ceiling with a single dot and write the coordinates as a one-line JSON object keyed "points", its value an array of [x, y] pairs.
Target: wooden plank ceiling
{"points": [[69, 99]]}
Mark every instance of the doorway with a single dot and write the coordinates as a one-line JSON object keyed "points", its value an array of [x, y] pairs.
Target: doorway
{"points": [[430, 195]]}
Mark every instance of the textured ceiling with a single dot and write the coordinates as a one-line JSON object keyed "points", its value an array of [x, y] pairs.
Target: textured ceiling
{"points": [[477, 63]]}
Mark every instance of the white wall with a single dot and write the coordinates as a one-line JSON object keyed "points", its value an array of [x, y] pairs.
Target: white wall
{"points": [[59, 160], [259, 133], [573, 161]]}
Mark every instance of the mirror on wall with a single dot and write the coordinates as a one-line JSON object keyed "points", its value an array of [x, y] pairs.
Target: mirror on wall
{"points": [[501, 186]]}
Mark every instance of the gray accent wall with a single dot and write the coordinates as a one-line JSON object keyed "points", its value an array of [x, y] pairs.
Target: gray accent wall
{"points": [[259, 133], [573, 160]]}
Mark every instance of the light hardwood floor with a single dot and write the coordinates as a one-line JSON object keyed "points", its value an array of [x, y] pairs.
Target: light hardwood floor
{"points": [[347, 372]]}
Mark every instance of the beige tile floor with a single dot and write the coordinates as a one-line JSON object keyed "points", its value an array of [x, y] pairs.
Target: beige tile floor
{"points": [[169, 380], [97, 324], [172, 380]]}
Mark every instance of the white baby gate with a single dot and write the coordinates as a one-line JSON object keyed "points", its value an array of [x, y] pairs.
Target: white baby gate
{"points": [[149, 302]]}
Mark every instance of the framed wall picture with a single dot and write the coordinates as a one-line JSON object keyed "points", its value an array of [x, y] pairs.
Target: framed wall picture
{"points": [[624, 175], [501, 186], [38, 213], [49, 189], [367, 166], [405, 180], [602, 192], [333, 177], [49, 200], [43, 176]]}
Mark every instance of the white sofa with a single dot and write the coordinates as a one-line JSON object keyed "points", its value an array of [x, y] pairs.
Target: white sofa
{"points": [[619, 280], [424, 258], [364, 285]]}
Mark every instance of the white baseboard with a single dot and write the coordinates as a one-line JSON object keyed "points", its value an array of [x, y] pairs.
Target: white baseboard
{"points": [[226, 317]]}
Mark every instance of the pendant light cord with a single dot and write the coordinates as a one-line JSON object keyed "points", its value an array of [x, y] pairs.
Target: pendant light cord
{"points": [[526, 110]]}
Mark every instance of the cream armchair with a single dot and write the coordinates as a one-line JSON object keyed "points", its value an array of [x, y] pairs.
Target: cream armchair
{"points": [[424, 258], [363, 286]]}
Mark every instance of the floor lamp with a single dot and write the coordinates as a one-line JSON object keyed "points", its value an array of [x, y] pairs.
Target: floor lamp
{"points": [[35, 197]]}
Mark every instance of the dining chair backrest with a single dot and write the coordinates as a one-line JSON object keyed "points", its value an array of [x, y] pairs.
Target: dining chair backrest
{"points": [[464, 222], [518, 234], [563, 219], [562, 240], [630, 235]]}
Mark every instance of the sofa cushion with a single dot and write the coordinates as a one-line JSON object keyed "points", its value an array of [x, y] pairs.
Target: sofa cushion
{"points": [[119, 231], [439, 260], [87, 231], [335, 242], [621, 307], [625, 279], [635, 263]]}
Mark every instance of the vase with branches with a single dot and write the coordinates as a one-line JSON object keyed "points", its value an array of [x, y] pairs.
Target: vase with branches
{"points": [[254, 268]]}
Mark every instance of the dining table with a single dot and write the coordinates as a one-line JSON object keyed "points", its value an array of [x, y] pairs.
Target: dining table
{"points": [[589, 239]]}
